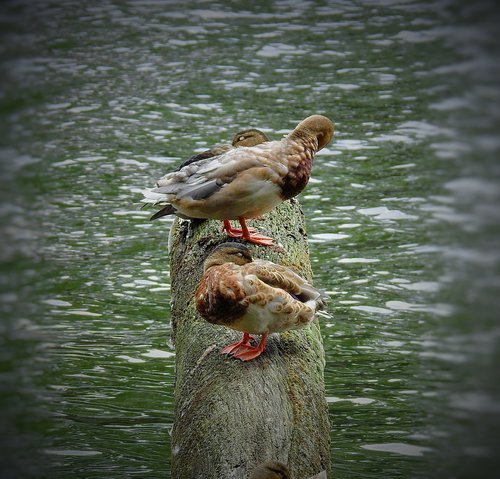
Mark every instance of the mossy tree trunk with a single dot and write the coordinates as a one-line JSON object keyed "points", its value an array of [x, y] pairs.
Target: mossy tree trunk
{"points": [[231, 415]]}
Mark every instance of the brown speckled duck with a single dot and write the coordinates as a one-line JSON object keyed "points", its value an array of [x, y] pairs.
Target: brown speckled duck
{"points": [[253, 296], [244, 182]]}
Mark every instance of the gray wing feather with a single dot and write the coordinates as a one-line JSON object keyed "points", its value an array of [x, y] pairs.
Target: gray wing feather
{"points": [[166, 210], [167, 189], [200, 192], [197, 190]]}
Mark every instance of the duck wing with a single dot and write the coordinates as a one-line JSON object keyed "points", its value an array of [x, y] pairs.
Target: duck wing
{"points": [[201, 179], [279, 276]]}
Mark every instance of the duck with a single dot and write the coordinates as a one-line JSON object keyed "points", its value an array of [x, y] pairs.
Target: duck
{"points": [[253, 296], [277, 470], [245, 182]]}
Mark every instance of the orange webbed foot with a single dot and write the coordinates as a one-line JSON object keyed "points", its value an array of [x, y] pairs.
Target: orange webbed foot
{"points": [[246, 352], [260, 239], [232, 348], [247, 233]]}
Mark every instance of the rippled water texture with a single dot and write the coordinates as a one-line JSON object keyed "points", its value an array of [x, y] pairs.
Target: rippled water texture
{"points": [[402, 215]]}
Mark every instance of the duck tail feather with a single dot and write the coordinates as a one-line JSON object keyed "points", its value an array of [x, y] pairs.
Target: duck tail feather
{"points": [[166, 210]]}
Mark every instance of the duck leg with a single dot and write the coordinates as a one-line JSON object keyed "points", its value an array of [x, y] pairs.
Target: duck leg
{"points": [[248, 233], [231, 348], [235, 232], [247, 352]]}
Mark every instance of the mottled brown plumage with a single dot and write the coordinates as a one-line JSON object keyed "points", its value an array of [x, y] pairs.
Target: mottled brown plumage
{"points": [[245, 182], [299, 170], [220, 299], [253, 296]]}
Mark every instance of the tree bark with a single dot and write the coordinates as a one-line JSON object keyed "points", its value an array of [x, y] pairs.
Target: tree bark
{"points": [[231, 415]]}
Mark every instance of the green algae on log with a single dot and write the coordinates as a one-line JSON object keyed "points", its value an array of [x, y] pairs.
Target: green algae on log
{"points": [[230, 415]]}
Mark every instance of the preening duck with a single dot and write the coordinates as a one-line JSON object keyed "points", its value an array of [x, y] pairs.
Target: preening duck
{"points": [[244, 182], [253, 296]]}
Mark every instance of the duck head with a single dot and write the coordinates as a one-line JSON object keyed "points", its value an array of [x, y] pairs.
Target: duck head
{"points": [[250, 137], [318, 126], [236, 253]]}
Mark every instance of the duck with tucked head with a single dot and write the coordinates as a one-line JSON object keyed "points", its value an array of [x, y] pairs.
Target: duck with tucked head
{"points": [[244, 182], [253, 296]]}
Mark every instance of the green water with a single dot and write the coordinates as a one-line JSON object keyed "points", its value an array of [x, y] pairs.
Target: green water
{"points": [[97, 101]]}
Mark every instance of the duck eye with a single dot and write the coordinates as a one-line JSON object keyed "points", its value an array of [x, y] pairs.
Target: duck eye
{"points": [[240, 255], [241, 138]]}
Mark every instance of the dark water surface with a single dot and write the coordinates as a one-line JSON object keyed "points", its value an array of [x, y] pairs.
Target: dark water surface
{"points": [[402, 213]]}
